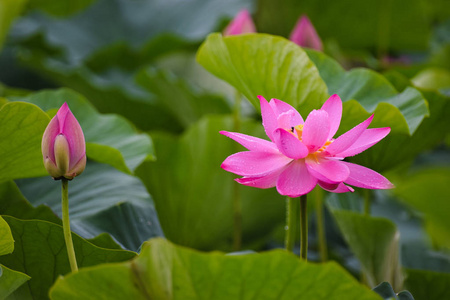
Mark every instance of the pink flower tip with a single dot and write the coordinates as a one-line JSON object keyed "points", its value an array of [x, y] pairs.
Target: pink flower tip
{"points": [[63, 146], [304, 34], [242, 23]]}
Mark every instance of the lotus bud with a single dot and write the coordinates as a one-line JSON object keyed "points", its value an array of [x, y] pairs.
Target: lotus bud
{"points": [[63, 146], [242, 23], [304, 34]]}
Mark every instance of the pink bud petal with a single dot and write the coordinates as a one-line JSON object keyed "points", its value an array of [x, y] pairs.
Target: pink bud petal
{"points": [[316, 130], [242, 23], [62, 155], [74, 134], [304, 34], [366, 178], [51, 168], [295, 180], [289, 145], [61, 115], [63, 145], [77, 169], [48, 140]]}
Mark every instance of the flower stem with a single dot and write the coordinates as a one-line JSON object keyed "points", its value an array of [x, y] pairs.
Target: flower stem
{"points": [[321, 225], [237, 217], [66, 225], [303, 228], [367, 201], [237, 209], [292, 208]]}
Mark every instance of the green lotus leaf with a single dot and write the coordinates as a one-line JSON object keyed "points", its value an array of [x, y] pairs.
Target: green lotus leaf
{"points": [[40, 252], [165, 271], [102, 199], [23, 125], [192, 194], [10, 281]]}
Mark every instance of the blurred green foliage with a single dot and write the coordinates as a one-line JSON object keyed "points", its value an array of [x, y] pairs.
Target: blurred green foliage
{"points": [[151, 117]]}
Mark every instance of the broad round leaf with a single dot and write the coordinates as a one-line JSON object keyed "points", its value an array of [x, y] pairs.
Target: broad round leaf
{"points": [[185, 105], [428, 285], [6, 238], [427, 191], [400, 148], [40, 252], [375, 242], [165, 271], [102, 65], [261, 64], [273, 67], [194, 196], [14, 204], [22, 125], [364, 91], [101, 199], [10, 280]]}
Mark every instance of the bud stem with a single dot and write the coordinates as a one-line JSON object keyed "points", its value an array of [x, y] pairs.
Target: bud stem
{"points": [[66, 225]]}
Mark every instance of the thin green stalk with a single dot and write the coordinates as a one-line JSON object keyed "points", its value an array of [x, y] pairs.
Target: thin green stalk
{"points": [[367, 201], [237, 207], [237, 217], [303, 228], [321, 225], [292, 208], [66, 225]]}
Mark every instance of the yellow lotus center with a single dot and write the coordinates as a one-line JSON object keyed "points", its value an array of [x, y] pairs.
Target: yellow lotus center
{"points": [[318, 152], [298, 132], [327, 143]]}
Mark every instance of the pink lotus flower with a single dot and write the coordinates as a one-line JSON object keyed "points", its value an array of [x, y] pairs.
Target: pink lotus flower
{"points": [[304, 34], [242, 23], [302, 154], [63, 146]]}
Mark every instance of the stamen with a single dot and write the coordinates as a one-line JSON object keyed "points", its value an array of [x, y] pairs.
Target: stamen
{"points": [[314, 157], [299, 130], [324, 146]]}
